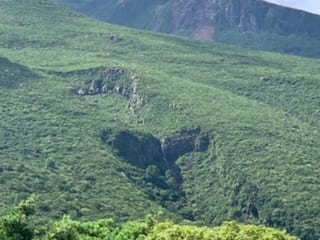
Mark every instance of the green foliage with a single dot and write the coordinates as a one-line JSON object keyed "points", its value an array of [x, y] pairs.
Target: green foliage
{"points": [[15, 225], [228, 231], [261, 109], [131, 231], [67, 229]]}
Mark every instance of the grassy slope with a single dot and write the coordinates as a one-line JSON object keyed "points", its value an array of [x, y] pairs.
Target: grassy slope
{"points": [[266, 143]]}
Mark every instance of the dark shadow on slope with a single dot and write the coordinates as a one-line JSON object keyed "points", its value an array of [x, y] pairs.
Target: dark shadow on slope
{"points": [[160, 174], [13, 75]]}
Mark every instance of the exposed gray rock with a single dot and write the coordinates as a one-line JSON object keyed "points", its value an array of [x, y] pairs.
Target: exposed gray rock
{"points": [[142, 150], [109, 81]]}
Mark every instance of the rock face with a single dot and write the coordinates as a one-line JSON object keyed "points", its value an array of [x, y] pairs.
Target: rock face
{"points": [[186, 142], [140, 150], [109, 81], [195, 16], [143, 150], [156, 159]]}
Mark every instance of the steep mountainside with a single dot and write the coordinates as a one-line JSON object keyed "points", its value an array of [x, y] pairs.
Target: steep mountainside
{"points": [[250, 23], [103, 121]]}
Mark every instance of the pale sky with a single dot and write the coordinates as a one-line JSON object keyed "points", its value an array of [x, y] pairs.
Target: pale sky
{"points": [[307, 5]]}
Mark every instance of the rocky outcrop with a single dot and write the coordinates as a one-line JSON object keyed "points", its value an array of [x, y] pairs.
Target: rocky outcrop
{"points": [[155, 165], [142, 150], [109, 81], [156, 159], [186, 142]]}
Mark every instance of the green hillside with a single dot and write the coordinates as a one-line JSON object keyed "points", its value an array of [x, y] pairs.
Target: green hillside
{"points": [[103, 121]]}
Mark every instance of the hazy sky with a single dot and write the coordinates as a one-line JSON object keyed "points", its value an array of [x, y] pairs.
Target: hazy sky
{"points": [[307, 5]]}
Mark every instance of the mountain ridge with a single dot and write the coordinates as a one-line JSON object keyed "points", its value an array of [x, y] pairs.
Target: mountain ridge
{"points": [[247, 23]]}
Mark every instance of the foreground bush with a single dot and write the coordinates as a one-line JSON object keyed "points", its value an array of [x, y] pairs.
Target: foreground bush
{"points": [[15, 226]]}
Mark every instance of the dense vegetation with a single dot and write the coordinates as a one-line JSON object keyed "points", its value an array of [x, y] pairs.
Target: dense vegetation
{"points": [[16, 226], [235, 132]]}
